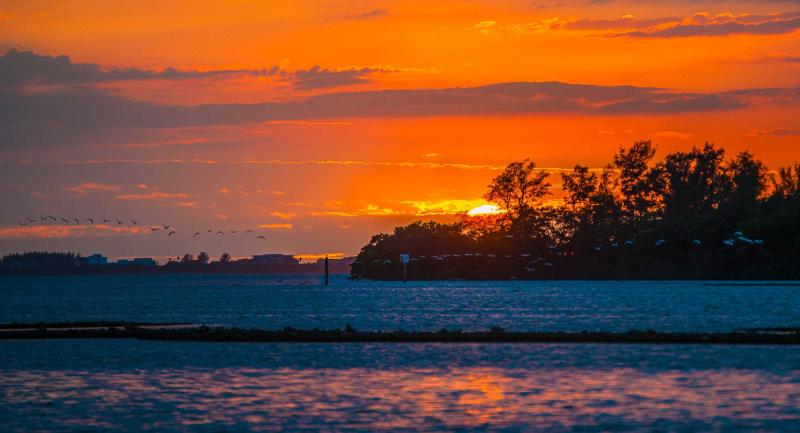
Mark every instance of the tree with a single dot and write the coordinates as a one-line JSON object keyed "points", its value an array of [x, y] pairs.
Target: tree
{"points": [[225, 258], [695, 182], [187, 258], [519, 188], [639, 184], [748, 177], [202, 258]]}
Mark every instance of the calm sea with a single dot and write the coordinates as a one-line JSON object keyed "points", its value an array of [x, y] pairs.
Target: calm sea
{"points": [[132, 386]]}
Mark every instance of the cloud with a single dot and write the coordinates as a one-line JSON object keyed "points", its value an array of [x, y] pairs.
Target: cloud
{"points": [[375, 13], [75, 116], [282, 226], [724, 25], [672, 135], [625, 22], [700, 24], [784, 131], [284, 215], [68, 231], [21, 67], [83, 190], [318, 77], [156, 195]]}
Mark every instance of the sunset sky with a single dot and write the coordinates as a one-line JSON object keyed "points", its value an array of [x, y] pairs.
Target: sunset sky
{"points": [[320, 123]]}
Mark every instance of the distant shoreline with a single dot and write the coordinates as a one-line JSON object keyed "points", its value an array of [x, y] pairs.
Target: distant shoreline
{"points": [[201, 333]]}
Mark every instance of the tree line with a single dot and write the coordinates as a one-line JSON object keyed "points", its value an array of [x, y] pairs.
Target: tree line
{"points": [[694, 214]]}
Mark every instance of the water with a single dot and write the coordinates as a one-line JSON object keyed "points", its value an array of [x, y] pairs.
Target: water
{"points": [[301, 302], [112, 385], [133, 386]]}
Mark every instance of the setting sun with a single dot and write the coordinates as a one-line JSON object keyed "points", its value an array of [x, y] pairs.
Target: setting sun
{"points": [[486, 209]]}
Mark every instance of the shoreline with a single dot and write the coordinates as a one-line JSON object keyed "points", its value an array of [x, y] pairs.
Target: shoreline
{"points": [[201, 333]]}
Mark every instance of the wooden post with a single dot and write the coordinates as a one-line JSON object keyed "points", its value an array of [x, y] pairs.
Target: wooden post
{"points": [[326, 270]]}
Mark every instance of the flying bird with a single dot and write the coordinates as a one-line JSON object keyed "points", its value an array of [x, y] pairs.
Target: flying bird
{"points": [[52, 217], [196, 235], [77, 221], [172, 233], [135, 222], [209, 230], [31, 220], [91, 220], [262, 237], [119, 222], [248, 231], [155, 228], [166, 227], [106, 220], [66, 221], [220, 233], [233, 232], [21, 223]]}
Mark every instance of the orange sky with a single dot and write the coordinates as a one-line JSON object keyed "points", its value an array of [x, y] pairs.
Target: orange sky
{"points": [[143, 121]]}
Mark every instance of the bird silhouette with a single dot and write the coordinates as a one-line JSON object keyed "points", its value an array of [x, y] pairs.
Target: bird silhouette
{"points": [[196, 235], [172, 233], [31, 220], [91, 220], [42, 217], [52, 217], [262, 237], [77, 221], [233, 232], [119, 222], [135, 222], [220, 233], [248, 231], [166, 227], [209, 230], [66, 221], [21, 223], [106, 220], [155, 228]]}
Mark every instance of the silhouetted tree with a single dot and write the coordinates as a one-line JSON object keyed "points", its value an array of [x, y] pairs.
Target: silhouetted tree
{"points": [[202, 258], [187, 258], [519, 188], [225, 258]]}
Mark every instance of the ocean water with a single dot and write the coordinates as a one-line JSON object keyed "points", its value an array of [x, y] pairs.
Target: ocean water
{"points": [[302, 302], [134, 386]]}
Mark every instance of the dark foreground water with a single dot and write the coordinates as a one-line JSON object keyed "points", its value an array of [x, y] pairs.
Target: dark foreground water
{"points": [[133, 386], [99, 385], [301, 302]]}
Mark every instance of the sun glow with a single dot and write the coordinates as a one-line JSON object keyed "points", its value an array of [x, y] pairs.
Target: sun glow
{"points": [[486, 209]]}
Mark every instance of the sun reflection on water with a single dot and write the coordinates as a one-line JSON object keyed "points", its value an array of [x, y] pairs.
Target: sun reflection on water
{"points": [[363, 399]]}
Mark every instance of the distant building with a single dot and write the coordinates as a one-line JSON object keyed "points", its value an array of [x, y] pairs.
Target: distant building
{"points": [[95, 260], [139, 261], [275, 259]]}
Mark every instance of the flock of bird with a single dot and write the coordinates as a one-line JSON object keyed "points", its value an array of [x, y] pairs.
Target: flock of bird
{"points": [[170, 230]]}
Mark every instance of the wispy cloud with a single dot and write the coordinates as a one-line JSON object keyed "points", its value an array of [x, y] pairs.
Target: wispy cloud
{"points": [[700, 24], [783, 131], [155, 195], [83, 189], [68, 231], [723, 25], [318, 77], [24, 67], [278, 226]]}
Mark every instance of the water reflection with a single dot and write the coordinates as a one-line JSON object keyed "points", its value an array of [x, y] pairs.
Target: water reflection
{"points": [[364, 399]]}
